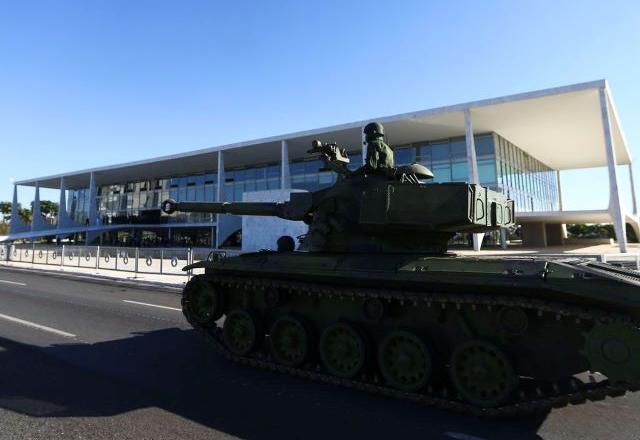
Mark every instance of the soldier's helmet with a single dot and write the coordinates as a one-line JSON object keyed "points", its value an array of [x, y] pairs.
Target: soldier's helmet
{"points": [[373, 130]]}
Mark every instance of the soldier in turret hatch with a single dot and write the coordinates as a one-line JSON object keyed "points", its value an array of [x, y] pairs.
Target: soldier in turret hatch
{"points": [[379, 159], [379, 155]]}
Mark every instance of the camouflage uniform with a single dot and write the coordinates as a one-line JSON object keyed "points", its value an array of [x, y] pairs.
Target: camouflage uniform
{"points": [[379, 155]]}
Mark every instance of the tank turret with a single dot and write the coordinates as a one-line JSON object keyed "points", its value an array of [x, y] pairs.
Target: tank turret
{"points": [[379, 213]]}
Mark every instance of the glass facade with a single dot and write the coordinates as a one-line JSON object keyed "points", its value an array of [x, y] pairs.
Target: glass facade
{"points": [[502, 166], [447, 159], [530, 183], [239, 181], [311, 175], [139, 202]]}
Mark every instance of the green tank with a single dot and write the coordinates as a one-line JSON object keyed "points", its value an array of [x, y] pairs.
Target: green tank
{"points": [[372, 299]]}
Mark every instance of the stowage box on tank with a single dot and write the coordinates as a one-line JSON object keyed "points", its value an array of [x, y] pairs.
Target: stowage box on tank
{"points": [[372, 299]]}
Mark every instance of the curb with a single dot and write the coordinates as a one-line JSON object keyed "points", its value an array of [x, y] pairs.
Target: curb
{"points": [[100, 279]]}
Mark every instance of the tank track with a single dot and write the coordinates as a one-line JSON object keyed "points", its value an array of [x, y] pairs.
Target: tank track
{"points": [[533, 398]]}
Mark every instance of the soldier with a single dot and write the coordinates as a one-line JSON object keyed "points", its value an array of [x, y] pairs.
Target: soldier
{"points": [[379, 155], [380, 158]]}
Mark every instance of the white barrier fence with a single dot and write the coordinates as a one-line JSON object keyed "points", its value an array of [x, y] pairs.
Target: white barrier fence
{"points": [[163, 261], [630, 260]]}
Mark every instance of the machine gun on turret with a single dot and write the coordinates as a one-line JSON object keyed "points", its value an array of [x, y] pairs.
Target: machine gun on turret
{"points": [[335, 156]]}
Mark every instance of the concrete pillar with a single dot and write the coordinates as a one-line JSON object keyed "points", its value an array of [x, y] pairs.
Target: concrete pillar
{"points": [[534, 235], [363, 139], [219, 195], [559, 189], [472, 163], [17, 225], [62, 205], [615, 205], [15, 216], [220, 191], [554, 234], [93, 194], [634, 201], [93, 211], [36, 212], [285, 173]]}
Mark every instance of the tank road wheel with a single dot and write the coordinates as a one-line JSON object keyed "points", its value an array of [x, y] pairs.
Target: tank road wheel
{"points": [[202, 301], [242, 332], [482, 373], [290, 341], [404, 361], [342, 350], [613, 349]]}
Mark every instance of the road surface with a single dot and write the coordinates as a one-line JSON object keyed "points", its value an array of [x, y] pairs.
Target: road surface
{"points": [[81, 359]]}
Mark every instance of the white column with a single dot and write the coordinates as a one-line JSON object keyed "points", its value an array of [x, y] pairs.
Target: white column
{"points": [[472, 163], [93, 211], [220, 190], [15, 217], [363, 138], [634, 201], [36, 212], [560, 207], [16, 222], [219, 194], [471, 148], [285, 173], [93, 194], [62, 205], [615, 205], [559, 189]]}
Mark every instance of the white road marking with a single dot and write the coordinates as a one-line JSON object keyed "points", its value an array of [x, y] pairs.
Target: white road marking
{"points": [[13, 282], [38, 326], [152, 305], [461, 436]]}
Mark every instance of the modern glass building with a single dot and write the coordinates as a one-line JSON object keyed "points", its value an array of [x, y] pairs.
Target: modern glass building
{"points": [[520, 142], [502, 166]]}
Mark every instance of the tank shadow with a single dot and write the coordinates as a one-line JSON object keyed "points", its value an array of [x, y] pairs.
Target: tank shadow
{"points": [[172, 369]]}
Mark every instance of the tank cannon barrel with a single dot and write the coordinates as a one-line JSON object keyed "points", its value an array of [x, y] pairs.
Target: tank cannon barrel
{"points": [[295, 209]]}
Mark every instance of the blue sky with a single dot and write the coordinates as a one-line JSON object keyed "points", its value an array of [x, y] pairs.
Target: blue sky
{"points": [[91, 83]]}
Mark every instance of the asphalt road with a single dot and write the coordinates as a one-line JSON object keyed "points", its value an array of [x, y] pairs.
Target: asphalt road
{"points": [[89, 360]]}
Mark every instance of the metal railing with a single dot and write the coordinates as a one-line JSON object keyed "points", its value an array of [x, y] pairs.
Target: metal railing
{"points": [[163, 261]]}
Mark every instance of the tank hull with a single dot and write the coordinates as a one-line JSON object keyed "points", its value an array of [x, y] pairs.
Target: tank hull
{"points": [[489, 336]]}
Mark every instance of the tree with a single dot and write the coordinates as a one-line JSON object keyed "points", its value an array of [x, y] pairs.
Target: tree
{"points": [[25, 214], [591, 231], [48, 208], [5, 209]]}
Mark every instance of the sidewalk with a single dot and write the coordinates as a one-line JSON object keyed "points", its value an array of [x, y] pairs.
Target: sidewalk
{"points": [[176, 281]]}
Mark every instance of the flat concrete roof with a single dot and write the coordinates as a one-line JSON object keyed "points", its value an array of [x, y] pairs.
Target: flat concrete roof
{"points": [[561, 127]]}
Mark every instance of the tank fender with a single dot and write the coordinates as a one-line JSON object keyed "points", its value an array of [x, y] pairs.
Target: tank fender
{"points": [[196, 265]]}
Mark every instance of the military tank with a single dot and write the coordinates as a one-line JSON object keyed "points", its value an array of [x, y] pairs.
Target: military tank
{"points": [[373, 300]]}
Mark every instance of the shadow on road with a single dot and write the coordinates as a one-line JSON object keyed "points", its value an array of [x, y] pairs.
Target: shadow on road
{"points": [[172, 369]]}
